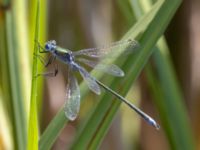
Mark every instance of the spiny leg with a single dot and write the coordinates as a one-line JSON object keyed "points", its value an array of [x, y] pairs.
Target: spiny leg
{"points": [[49, 74], [50, 60], [40, 47], [42, 60]]}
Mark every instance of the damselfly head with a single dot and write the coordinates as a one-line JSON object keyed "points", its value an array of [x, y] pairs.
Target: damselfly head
{"points": [[50, 45]]}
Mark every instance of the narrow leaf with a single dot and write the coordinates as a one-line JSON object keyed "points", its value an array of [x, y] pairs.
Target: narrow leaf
{"points": [[33, 118]]}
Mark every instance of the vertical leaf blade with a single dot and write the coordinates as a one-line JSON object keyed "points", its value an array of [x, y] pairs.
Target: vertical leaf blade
{"points": [[15, 94], [33, 118]]}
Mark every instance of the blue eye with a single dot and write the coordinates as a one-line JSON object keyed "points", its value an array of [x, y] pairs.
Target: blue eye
{"points": [[47, 47]]}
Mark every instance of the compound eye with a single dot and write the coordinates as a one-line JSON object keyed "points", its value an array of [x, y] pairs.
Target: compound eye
{"points": [[47, 47]]}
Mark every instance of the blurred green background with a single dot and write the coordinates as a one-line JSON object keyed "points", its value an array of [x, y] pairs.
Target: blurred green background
{"points": [[163, 79]]}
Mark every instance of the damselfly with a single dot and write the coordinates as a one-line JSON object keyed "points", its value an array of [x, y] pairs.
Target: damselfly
{"points": [[90, 57]]}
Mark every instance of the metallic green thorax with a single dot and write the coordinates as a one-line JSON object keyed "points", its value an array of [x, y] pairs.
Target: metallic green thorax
{"points": [[63, 50]]}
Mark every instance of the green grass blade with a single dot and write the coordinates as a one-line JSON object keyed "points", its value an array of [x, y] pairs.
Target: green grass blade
{"points": [[20, 15], [42, 38], [54, 128], [5, 80], [11, 78], [33, 118], [168, 97], [148, 39]]}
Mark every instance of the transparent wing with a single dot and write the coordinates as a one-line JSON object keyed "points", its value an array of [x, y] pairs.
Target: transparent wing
{"points": [[107, 68], [126, 46], [91, 82], [72, 103]]}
